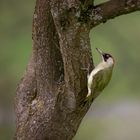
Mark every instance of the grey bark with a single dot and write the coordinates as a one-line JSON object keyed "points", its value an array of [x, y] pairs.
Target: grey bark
{"points": [[50, 96]]}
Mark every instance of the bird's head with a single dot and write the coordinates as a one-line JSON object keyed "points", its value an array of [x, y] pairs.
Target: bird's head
{"points": [[107, 58]]}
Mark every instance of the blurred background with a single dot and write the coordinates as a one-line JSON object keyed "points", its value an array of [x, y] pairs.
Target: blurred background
{"points": [[115, 114]]}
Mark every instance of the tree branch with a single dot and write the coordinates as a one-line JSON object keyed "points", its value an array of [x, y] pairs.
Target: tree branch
{"points": [[111, 9]]}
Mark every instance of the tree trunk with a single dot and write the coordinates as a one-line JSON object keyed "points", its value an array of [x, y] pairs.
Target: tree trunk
{"points": [[50, 97]]}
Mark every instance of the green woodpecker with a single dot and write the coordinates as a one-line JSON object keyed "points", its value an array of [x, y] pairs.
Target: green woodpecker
{"points": [[100, 76]]}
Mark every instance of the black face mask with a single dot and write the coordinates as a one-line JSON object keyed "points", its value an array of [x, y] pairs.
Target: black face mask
{"points": [[106, 56]]}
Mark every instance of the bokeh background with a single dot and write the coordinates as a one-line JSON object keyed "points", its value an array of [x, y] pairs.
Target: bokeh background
{"points": [[115, 114]]}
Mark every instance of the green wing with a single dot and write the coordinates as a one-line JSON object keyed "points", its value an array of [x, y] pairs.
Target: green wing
{"points": [[100, 81]]}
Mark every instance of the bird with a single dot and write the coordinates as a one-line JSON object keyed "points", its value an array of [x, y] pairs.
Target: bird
{"points": [[100, 76]]}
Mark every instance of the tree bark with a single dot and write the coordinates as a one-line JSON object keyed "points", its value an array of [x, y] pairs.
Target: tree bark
{"points": [[50, 97]]}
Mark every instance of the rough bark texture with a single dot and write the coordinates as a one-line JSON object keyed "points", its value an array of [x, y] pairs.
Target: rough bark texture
{"points": [[50, 95]]}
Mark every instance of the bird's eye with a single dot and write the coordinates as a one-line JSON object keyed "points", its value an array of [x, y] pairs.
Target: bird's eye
{"points": [[106, 56]]}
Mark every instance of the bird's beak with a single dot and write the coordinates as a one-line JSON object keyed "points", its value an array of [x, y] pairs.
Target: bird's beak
{"points": [[99, 51]]}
